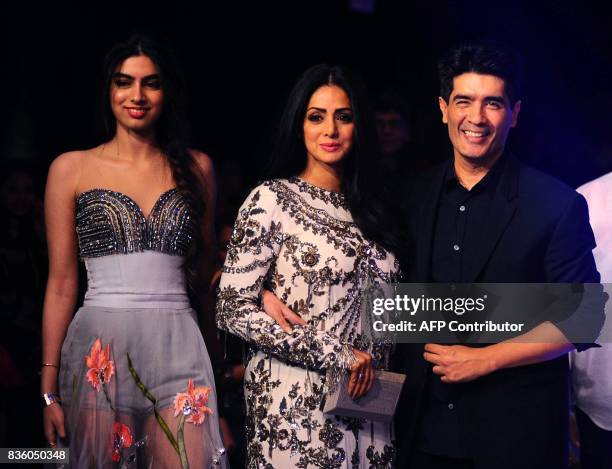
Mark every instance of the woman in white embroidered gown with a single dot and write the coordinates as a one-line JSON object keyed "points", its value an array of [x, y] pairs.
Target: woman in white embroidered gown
{"points": [[135, 379], [316, 235]]}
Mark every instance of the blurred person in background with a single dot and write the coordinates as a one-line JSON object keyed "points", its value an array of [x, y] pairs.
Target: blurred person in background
{"points": [[592, 369]]}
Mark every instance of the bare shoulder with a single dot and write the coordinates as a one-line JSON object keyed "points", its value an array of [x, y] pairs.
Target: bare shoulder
{"points": [[72, 161], [205, 163], [207, 171], [67, 167], [67, 162]]}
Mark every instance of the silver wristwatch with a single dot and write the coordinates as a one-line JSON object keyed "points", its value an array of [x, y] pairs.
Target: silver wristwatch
{"points": [[50, 398]]}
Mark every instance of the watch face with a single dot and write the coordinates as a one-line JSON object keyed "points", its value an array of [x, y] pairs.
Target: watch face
{"points": [[50, 398]]}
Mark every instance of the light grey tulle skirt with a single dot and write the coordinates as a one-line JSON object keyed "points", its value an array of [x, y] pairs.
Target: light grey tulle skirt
{"points": [[138, 390]]}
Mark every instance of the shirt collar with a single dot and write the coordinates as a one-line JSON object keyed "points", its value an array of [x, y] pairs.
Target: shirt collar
{"points": [[488, 182]]}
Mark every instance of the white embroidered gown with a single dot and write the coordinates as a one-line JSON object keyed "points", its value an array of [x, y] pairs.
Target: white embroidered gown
{"points": [[300, 242]]}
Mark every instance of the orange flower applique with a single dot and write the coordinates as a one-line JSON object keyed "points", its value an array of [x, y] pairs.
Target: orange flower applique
{"points": [[122, 438], [193, 403], [101, 367]]}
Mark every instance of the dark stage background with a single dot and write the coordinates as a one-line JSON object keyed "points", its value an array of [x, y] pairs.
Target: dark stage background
{"points": [[241, 58]]}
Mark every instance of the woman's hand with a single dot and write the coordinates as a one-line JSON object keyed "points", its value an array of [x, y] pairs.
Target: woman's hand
{"points": [[280, 312], [53, 418], [362, 375]]}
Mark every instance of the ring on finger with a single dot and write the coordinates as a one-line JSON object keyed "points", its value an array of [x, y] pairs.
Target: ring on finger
{"points": [[360, 376], [52, 445]]}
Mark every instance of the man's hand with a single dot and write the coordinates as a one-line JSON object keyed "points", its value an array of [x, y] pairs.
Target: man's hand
{"points": [[458, 363], [280, 312]]}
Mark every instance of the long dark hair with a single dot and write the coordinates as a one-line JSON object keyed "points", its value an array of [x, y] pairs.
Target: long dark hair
{"points": [[172, 134], [368, 198]]}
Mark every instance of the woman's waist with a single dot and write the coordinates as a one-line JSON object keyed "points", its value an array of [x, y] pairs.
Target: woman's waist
{"points": [[110, 299], [146, 279]]}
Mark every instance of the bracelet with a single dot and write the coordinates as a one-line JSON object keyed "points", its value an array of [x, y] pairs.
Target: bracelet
{"points": [[49, 364], [50, 398]]}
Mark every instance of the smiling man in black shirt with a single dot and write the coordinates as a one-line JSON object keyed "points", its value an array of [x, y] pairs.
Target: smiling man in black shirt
{"points": [[485, 217]]}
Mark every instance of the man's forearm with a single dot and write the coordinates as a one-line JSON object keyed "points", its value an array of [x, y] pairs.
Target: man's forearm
{"points": [[544, 342]]}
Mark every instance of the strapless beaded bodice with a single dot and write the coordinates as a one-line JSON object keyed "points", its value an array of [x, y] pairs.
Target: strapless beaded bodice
{"points": [[109, 222], [133, 261]]}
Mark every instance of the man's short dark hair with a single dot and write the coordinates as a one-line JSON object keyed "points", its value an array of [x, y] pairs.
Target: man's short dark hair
{"points": [[485, 58]]}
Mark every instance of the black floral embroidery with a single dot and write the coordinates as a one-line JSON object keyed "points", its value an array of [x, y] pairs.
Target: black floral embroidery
{"points": [[318, 457], [334, 198], [237, 308], [330, 435], [380, 460], [354, 425]]}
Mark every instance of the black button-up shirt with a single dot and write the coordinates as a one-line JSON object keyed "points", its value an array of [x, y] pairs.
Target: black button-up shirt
{"points": [[460, 219]]}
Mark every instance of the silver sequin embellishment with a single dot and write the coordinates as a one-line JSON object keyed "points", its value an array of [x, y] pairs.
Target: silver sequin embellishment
{"points": [[110, 222]]}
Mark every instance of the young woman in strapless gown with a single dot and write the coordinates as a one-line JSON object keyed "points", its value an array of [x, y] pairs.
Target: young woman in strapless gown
{"points": [[127, 380]]}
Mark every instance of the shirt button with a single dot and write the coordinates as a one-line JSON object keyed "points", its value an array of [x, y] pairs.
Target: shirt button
{"points": [[451, 406], [462, 208], [456, 247]]}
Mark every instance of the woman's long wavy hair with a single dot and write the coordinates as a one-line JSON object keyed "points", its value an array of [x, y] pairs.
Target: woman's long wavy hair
{"points": [[369, 200], [172, 134]]}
